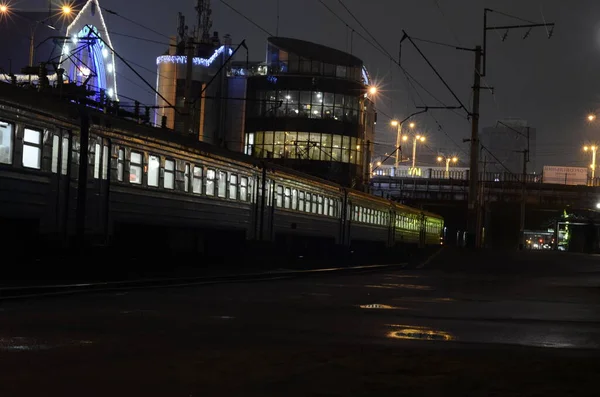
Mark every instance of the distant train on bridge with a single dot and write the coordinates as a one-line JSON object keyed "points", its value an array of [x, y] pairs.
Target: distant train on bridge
{"points": [[150, 190]]}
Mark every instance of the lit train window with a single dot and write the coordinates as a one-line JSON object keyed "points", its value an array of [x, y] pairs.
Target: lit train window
{"points": [[294, 199], [135, 168], [320, 205], [233, 186], [279, 196], [243, 188], [308, 202], [222, 182], [301, 201], [64, 161], [186, 178], [55, 152], [314, 204], [287, 198], [32, 149], [169, 179], [6, 142], [331, 207], [120, 164], [105, 157], [97, 154], [197, 180], [325, 205], [210, 182], [153, 170]]}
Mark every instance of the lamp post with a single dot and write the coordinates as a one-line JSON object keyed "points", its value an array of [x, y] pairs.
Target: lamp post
{"points": [[593, 149], [418, 138], [65, 10], [448, 160], [399, 138]]}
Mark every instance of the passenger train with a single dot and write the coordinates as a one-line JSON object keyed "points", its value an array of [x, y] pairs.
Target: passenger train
{"points": [[152, 191]]}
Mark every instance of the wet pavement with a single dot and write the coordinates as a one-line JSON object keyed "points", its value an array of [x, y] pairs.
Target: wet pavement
{"points": [[529, 323]]}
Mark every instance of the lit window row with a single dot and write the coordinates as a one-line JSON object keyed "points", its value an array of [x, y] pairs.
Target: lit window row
{"points": [[31, 155], [146, 169], [298, 200], [306, 104], [304, 146], [408, 222], [280, 61], [370, 216]]}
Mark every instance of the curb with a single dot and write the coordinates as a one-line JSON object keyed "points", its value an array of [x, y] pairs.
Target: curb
{"points": [[23, 292]]}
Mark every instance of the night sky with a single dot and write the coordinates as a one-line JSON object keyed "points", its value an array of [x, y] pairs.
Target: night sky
{"points": [[551, 83]]}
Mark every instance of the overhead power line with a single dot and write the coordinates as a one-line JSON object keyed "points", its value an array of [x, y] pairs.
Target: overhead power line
{"points": [[134, 22], [246, 18]]}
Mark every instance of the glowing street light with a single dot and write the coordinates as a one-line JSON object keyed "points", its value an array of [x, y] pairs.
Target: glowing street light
{"points": [[4, 9], [448, 160], [418, 138], [399, 137], [593, 149], [591, 117], [372, 90]]}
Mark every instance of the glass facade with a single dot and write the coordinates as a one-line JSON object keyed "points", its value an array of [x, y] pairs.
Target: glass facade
{"points": [[304, 146], [306, 104], [280, 61]]}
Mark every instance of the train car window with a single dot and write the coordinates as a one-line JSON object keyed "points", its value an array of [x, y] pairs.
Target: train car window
{"points": [[186, 178], [233, 186], [153, 170], [222, 184], [314, 203], [331, 207], [210, 182], [320, 205], [300, 201], [75, 155], [64, 160], [279, 196], [120, 164], [105, 158], [6, 142], [287, 198], [251, 192], [294, 199], [197, 180], [326, 206], [244, 188], [308, 203], [32, 149], [55, 153], [135, 168], [169, 179], [97, 154]]}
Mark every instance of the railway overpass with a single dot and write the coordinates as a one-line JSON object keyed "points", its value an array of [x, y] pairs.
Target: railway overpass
{"points": [[500, 197]]}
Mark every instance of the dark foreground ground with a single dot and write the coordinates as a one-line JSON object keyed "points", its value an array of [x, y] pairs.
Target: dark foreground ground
{"points": [[522, 324]]}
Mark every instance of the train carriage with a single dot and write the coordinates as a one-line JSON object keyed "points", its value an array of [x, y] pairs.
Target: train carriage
{"points": [[147, 189]]}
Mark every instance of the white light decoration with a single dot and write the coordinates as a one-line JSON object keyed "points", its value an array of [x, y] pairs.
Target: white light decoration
{"points": [[65, 50], [110, 92], [109, 68], [365, 76], [182, 59], [84, 71], [74, 39], [102, 30]]}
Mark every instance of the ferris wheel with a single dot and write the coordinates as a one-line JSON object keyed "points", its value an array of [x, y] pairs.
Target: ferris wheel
{"points": [[87, 55]]}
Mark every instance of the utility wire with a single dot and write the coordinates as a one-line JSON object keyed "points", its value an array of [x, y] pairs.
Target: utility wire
{"points": [[246, 18], [134, 22]]}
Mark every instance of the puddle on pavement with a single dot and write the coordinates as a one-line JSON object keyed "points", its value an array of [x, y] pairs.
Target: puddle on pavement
{"points": [[380, 306], [405, 286], [412, 332], [19, 343]]}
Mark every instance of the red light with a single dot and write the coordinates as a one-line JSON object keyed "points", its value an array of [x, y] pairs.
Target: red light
{"points": [[541, 241]]}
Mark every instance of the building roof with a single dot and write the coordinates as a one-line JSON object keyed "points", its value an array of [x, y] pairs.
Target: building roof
{"points": [[315, 51]]}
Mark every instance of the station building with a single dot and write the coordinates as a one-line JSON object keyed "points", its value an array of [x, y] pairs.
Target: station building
{"points": [[311, 110]]}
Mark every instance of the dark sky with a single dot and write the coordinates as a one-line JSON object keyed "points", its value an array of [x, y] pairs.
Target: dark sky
{"points": [[551, 83]]}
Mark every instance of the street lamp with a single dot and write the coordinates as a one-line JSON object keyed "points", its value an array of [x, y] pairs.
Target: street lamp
{"points": [[453, 159], [418, 138], [593, 149], [399, 137], [591, 117], [65, 10]]}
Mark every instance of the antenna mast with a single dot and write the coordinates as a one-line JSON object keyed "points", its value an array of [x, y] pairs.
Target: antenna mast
{"points": [[204, 21]]}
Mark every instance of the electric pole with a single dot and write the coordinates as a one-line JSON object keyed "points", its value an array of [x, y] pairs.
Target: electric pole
{"points": [[473, 210]]}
